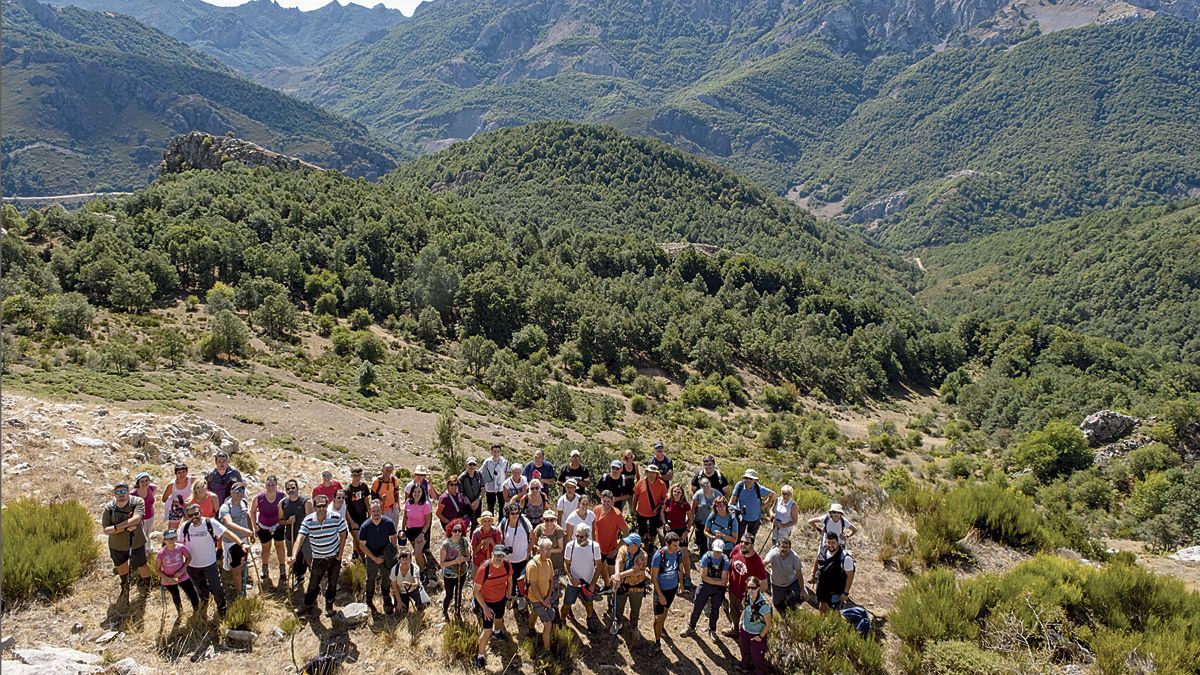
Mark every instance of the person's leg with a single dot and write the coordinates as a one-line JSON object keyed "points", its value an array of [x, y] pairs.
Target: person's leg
{"points": [[547, 628], [620, 600], [314, 582], [744, 648], [331, 582], [485, 635], [698, 606], [635, 608], [200, 581], [173, 589], [213, 576], [373, 569], [448, 597], [714, 608], [758, 655], [190, 591]]}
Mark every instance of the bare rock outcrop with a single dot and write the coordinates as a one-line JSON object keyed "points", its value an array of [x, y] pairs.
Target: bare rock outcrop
{"points": [[199, 150], [1106, 426]]}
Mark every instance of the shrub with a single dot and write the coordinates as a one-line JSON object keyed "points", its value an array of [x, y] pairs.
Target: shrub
{"points": [[460, 641], [360, 319], [528, 340], [564, 651], [953, 657], [227, 337], [219, 298], [933, 607], [245, 462], [708, 396], [326, 305], [477, 353], [429, 327], [277, 316], [959, 465], [325, 324], [778, 399], [367, 378], [353, 578], [649, 386], [47, 548], [1150, 458], [801, 641], [808, 500], [897, 479], [370, 348], [598, 373], [71, 315], [1057, 450], [639, 404], [244, 613]]}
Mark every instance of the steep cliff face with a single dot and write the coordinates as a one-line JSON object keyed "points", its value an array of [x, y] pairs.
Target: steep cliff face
{"points": [[198, 150]]}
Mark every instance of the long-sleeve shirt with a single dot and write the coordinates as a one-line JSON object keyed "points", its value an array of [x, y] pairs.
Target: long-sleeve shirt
{"points": [[495, 471]]}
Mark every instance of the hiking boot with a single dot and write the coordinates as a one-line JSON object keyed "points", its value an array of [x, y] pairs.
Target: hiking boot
{"points": [[712, 635], [330, 610], [481, 662], [614, 628], [500, 635], [690, 631]]}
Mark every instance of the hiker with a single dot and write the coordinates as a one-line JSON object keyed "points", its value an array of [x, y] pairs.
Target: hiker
{"points": [[326, 531], [222, 477], [122, 522], [744, 564], [358, 502], [666, 467], [377, 546], [385, 489], [516, 485], [616, 483], [539, 580], [516, 534], [582, 515], [451, 506], [235, 516], [338, 505], [172, 571], [677, 515], [609, 527], [578, 471], [200, 535], [533, 502], [406, 583], [702, 503], [581, 562], [786, 570], [144, 489], [176, 495], [714, 578], [721, 524], [540, 468], [649, 496], [266, 512], [629, 583], [665, 569], [421, 478], [751, 500], [485, 537], [568, 501], [833, 522], [495, 472], [784, 516], [752, 634], [206, 500], [455, 561], [418, 517], [550, 529], [494, 582], [471, 484], [294, 508], [832, 574], [327, 487], [716, 479], [631, 474]]}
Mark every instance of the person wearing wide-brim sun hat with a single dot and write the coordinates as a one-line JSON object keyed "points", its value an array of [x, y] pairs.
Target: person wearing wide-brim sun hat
{"points": [[833, 522], [751, 500]]}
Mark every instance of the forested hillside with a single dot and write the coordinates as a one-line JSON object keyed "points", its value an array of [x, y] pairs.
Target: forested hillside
{"points": [[1131, 275], [91, 99]]}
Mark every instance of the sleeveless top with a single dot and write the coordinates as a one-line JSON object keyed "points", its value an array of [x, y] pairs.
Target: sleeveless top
{"points": [[534, 511], [783, 511], [179, 497], [268, 511]]}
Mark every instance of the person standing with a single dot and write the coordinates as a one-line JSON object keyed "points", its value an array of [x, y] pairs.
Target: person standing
{"points": [[451, 506], [541, 468], [616, 483], [122, 522], [221, 479], [294, 508], [539, 580], [609, 527], [744, 564], [421, 479], [327, 533], [702, 503], [649, 496], [721, 524], [418, 517], [784, 516], [385, 489], [172, 571], [495, 472], [568, 501], [534, 502], [143, 488], [358, 502], [677, 515], [266, 513], [582, 515], [377, 546], [716, 479], [455, 562], [629, 583], [515, 486], [835, 522], [752, 634], [494, 583], [200, 535], [714, 578], [328, 487], [516, 533], [581, 562], [484, 539], [550, 529], [750, 500], [787, 570], [666, 467], [631, 474], [235, 516], [176, 495], [833, 574], [665, 569], [578, 471], [471, 485], [204, 498]]}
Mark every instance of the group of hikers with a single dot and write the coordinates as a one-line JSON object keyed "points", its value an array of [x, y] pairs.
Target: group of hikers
{"points": [[529, 539]]}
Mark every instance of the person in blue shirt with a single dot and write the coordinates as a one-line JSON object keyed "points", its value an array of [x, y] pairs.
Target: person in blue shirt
{"points": [[541, 468], [756, 622], [714, 579], [721, 525], [664, 572], [751, 500]]}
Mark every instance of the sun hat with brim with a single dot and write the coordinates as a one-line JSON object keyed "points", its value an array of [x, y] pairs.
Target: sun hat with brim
{"points": [[571, 481], [836, 508], [653, 468], [487, 515], [549, 514], [420, 471], [751, 474], [472, 460]]}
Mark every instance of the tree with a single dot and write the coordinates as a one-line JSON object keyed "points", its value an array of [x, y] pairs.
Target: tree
{"points": [[326, 305], [559, 403], [71, 315], [1059, 449], [360, 319], [446, 445], [501, 375], [370, 347], [477, 353], [277, 316], [530, 384], [172, 346], [527, 340], [119, 354], [429, 327], [227, 338], [131, 291], [366, 378], [219, 298]]}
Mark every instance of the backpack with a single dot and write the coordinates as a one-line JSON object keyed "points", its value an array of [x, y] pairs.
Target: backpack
{"points": [[859, 618], [487, 570], [522, 521], [663, 553], [207, 523], [715, 572], [737, 491], [756, 609]]}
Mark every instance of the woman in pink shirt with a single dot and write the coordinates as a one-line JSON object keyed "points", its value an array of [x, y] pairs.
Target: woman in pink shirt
{"points": [[172, 571], [418, 516], [143, 488]]}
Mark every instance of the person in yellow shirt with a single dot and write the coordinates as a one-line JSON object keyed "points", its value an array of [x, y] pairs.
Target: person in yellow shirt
{"points": [[539, 579]]}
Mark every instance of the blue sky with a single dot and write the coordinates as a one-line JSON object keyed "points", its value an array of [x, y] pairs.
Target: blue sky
{"points": [[405, 6]]}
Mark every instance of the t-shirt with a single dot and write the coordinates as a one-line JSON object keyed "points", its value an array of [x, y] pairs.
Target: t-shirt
{"points": [[712, 566], [328, 490], [580, 474], [831, 526], [115, 515], [151, 489], [268, 511], [495, 471], [565, 506], [482, 544], [417, 515], [220, 483], [201, 545], [533, 511], [236, 510], [648, 496], [323, 534], [668, 567], [357, 497], [847, 561], [452, 552], [574, 520], [665, 465], [516, 488], [784, 570], [742, 566], [583, 560], [407, 582], [703, 505], [430, 494], [606, 529], [453, 506], [718, 524], [749, 500], [377, 536], [492, 582], [620, 485], [676, 514], [717, 480], [752, 615], [294, 509], [545, 472], [539, 575], [516, 538], [170, 563], [385, 492]]}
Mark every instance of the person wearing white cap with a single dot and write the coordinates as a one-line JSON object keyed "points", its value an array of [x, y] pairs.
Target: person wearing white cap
{"points": [[714, 578], [568, 501], [751, 500], [834, 522], [471, 485]]}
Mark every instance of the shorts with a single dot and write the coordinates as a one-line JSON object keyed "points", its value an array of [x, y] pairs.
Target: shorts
{"points": [[137, 556], [546, 614], [574, 593], [236, 555], [670, 596], [827, 596], [266, 536], [411, 534], [609, 560], [498, 612]]}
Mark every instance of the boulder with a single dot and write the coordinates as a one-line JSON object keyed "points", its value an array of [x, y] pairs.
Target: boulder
{"points": [[56, 660], [1189, 554], [241, 637], [107, 637], [1105, 426], [7, 642], [89, 442], [129, 667], [353, 614], [1121, 448]]}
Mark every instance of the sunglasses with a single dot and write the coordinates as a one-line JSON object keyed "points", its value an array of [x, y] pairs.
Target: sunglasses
{"points": [[122, 491], [405, 555], [239, 489], [452, 484]]}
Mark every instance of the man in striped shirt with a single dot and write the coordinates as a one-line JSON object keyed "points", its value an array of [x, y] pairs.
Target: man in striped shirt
{"points": [[325, 531]]}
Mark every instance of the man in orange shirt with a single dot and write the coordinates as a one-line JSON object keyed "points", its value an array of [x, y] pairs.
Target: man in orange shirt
{"points": [[649, 496], [493, 586], [607, 531]]}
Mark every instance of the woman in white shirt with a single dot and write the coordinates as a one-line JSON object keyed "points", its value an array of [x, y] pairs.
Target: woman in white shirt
{"points": [[582, 515], [784, 515]]}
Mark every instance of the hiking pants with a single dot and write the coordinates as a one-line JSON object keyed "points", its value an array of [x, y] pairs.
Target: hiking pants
{"points": [[208, 581], [328, 569], [751, 527], [702, 545], [791, 595], [714, 597], [188, 589], [754, 652], [495, 500], [634, 597], [377, 577]]}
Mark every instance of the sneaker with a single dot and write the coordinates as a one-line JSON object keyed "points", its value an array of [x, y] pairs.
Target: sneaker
{"points": [[688, 585], [329, 610], [690, 631], [481, 662], [614, 629], [297, 583], [500, 635], [712, 635], [658, 645]]}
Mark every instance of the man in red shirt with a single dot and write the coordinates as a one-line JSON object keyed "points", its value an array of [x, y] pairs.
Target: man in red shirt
{"points": [[743, 564], [649, 495], [328, 486], [607, 530], [493, 586]]}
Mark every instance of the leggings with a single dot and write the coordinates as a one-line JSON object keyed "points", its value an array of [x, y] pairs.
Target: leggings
{"points": [[188, 589], [454, 586]]}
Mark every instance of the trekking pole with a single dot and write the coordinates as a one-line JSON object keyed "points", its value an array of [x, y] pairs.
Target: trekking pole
{"points": [[254, 567]]}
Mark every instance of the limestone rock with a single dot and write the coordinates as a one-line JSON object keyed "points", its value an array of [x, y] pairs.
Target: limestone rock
{"points": [[56, 660], [1121, 448], [107, 637], [1106, 425], [129, 667], [198, 150], [1189, 554], [7, 642], [244, 637], [353, 614]]}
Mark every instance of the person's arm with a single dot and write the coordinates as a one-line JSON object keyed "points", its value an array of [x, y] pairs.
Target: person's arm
{"points": [[724, 581], [817, 523], [139, 514], [624, 528], [227, 521], [342, 542], [567, 566], [297, 547], [441, 513], [166, 496], [850, 528], [662, 599], [231, 536], [253, 512], [395, 593], [766, 627], [849, 582]]}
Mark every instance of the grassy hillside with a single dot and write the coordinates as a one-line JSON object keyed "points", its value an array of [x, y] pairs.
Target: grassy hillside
{"points": [[1126, 274], [92, 99]]}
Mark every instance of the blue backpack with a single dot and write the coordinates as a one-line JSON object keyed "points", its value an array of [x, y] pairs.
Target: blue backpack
{"points": [[859, 618]]}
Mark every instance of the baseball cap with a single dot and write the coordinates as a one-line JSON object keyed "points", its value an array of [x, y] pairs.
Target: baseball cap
{"points": [[574, 453], [141, 475], [549, 514], [634, 539], [653, 468], [615, 464], [171, 534], [472, 460], [499, 550], [718, 546], [220, 453], [658, 444]]}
